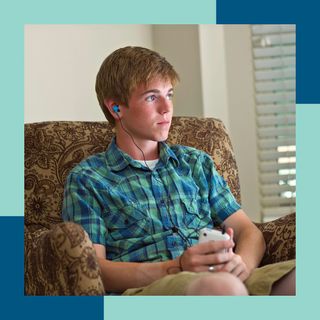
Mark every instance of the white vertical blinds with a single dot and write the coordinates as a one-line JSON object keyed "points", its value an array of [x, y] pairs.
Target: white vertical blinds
{"points": [[274, 57]]}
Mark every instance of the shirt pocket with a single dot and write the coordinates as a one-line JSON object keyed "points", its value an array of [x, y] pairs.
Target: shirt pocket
{"points": [[196, 213], [127, 222]]}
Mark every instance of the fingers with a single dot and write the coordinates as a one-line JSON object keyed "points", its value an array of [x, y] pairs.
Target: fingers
{"points": [[201, 262], [219, 254], [199, 257], [235, 266], [219, 258], [212, 246], [230, 232], [203, 268]]}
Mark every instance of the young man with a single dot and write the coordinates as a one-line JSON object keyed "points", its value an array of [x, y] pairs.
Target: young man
{"points": [[143, 202]]}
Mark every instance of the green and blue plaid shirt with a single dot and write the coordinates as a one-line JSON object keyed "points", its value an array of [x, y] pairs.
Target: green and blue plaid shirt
{"points": [[141, 215]]}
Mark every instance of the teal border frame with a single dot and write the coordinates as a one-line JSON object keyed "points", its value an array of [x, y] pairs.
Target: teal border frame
{"points": [[14, 15]]}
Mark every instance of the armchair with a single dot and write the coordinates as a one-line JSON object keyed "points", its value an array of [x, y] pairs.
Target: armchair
{"points": [[59, 256]]}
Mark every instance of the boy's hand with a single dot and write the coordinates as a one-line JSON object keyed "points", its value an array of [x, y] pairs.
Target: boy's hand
{"points": [[200, 257]]}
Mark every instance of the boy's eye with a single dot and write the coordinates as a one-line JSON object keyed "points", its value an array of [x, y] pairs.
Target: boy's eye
{"points": [[170, 96], [151, 98]]}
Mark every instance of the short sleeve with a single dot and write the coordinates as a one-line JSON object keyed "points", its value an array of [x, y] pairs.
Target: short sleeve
{"points": [[80, 205], [223, 203]]}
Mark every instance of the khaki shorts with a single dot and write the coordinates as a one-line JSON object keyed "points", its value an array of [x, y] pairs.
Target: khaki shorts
{"points": [[259, 283]]}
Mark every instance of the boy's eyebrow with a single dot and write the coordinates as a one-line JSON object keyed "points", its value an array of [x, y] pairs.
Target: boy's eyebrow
{"points": [[154, 91]]}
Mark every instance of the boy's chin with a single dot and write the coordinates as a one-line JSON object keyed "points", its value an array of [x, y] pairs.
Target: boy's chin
{"points": [[163, 138]]}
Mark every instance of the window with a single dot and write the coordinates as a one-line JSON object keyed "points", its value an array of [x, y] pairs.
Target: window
{"points": [[274, 52]]}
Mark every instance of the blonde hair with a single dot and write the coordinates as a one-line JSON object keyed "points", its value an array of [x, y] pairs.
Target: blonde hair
{"points": [[127, 68]]}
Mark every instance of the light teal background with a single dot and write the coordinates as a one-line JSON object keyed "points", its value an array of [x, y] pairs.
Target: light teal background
{"points": [[15, 14], [308, 212], [201, 308]]}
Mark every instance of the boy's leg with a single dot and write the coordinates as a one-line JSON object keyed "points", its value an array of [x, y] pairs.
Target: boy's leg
{"points": [[267, 280], [286, 286], [190, 283], [218, 284]]}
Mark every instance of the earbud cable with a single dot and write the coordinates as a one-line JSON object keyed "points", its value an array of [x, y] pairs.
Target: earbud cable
{"points": [[129, 134]]}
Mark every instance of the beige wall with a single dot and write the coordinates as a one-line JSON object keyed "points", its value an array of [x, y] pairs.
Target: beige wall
{"points": [[213, 71], [214, 63], [179, 44], [61, 63], [242, 122]]}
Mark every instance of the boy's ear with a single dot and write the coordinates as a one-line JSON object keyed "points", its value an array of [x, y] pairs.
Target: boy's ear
{"points": [[110, 105]]}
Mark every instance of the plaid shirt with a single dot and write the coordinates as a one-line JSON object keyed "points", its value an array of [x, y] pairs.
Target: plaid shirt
{"points": [[142, 215]]}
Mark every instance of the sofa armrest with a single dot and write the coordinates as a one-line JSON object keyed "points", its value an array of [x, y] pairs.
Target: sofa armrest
{"points": [[280, 238], [61, 261]]}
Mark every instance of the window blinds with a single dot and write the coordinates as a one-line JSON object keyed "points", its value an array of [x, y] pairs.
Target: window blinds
{"points": [[274, 51]]}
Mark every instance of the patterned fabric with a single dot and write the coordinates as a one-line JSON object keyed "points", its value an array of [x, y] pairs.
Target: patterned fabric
{"points": [[52, 149], [63, 262], [134, 211], [280, 236]]}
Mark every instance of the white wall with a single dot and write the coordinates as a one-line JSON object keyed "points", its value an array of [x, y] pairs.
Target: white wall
{"points": [[214, 63]]}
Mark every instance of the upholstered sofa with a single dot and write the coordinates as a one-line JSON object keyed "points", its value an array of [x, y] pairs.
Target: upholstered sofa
{"points": [[59, 257]]}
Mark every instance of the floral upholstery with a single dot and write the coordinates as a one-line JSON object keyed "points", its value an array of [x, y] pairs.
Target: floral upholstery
{"points": [[59, 256]]}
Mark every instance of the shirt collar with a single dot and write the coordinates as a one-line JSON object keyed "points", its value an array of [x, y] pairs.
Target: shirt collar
{"points": [[118, 160], [167, 154]]}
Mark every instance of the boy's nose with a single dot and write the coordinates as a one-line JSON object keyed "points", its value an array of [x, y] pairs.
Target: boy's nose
{"points": [[165, 106]]}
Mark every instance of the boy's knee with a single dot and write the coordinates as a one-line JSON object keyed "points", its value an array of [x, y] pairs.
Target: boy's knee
{"points": [[217, 284]]}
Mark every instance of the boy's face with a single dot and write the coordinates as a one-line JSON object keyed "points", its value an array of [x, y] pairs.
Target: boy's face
{"points": [[149, 112]]}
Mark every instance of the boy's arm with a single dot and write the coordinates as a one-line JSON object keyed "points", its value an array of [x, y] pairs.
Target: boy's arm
{"points": [[250, 244], [119, 276]]}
